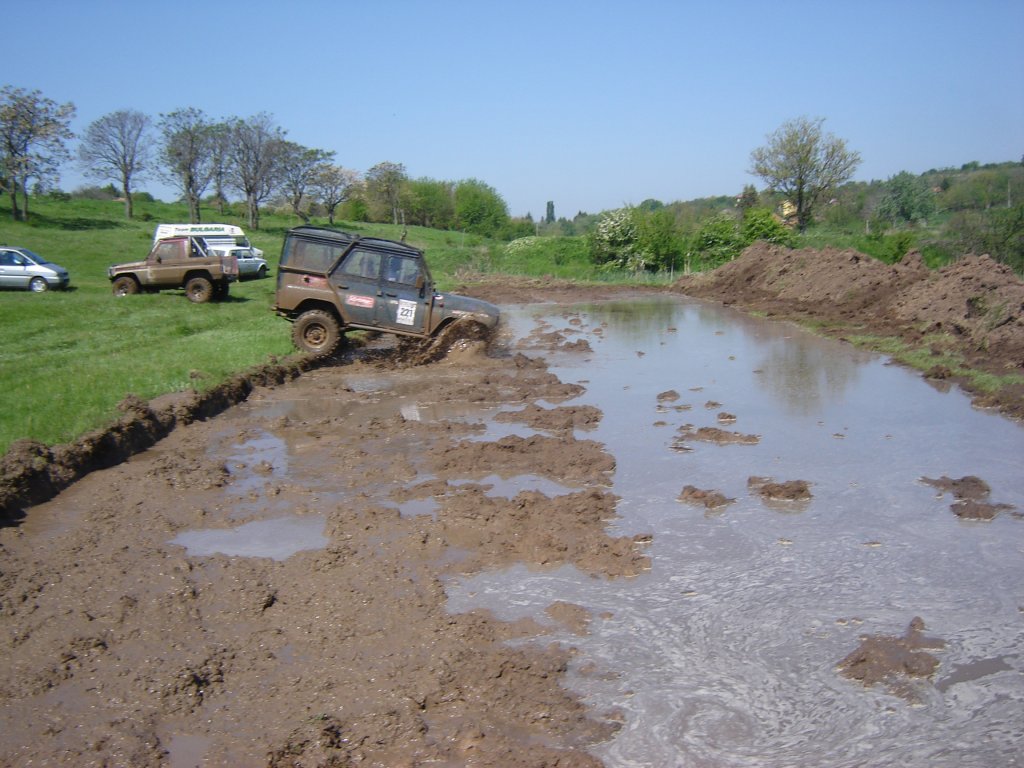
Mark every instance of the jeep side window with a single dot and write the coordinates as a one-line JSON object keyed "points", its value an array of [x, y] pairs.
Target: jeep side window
{"points": [[402, 270], [361, 263], [304, 254]]}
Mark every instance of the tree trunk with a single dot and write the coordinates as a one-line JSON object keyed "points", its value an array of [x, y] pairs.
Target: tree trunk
{"points": [[254, 211], [126, 185]]}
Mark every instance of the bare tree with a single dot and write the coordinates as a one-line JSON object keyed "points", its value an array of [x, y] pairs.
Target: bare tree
{"points": [[299, 167], [116, 146], [33, 132], [187, 154], [255, 150], [803, 163], [333, 185]]}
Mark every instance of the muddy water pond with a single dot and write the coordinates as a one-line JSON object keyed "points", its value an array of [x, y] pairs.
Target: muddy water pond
{"points": [[726, 652]]}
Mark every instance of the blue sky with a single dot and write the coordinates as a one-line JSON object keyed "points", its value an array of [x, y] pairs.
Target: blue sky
{"points": [[592, 105]]}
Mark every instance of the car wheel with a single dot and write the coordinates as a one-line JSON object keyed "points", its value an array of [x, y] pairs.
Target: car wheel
{"points": [[199, 290], [125, 286], [38, 285], [316, 333], [261, 273]]}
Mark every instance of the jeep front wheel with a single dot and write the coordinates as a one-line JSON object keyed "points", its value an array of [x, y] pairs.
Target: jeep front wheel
{"points": [[199, 290], [125, 286], [317, 333]]}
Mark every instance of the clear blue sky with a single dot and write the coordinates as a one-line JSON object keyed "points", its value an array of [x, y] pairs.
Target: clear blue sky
{"points": [[592, 105]]}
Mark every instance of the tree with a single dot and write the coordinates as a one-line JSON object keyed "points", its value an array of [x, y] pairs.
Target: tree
{"points": [[384, 185], [33, 132], [333, 185], [636, 240], [479, 208], [747, 199], [804, 164], [429, 203], [116, 146], [549, 216], [187, 154], [907, 198], [256, 151], [299, 167]]}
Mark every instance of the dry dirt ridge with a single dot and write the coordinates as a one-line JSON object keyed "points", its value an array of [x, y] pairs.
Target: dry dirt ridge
{"points": [[121, 649]]}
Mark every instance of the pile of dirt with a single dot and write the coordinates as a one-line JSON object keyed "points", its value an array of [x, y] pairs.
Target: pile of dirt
{"points": [[973, 308]]}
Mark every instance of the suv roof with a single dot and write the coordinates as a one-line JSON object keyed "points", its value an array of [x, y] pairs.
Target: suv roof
{"points": [[347, 238]]}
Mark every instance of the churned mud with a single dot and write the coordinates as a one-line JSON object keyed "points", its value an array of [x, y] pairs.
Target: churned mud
{"points": [[331, 644]]}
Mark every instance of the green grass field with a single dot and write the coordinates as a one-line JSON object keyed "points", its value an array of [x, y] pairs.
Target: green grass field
{"points": [[68, 358]]}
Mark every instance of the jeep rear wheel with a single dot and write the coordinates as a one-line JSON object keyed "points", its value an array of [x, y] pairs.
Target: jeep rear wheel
{"points": [[199, 290], [125, 286], [317, 333]]}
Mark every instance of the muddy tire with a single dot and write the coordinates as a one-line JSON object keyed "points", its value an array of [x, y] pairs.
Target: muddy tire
{"points": [[125, 286], [199, 290], [316, 333]]}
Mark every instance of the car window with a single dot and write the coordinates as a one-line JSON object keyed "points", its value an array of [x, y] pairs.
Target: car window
{"points": [[401, 269], [167, 249], [362, 263], [7, 259]]}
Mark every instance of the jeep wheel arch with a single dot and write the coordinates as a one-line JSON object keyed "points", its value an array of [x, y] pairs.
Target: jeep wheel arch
{"points": [[125, 285]]}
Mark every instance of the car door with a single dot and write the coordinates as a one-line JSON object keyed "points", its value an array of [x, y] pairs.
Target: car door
{"points": [[357, 284], [13, 273], [402, 306]]}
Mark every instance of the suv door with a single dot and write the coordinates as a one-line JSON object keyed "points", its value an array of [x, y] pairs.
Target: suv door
{"points": [[403, 306], [165, 263], [357, 282], [12, 269]]}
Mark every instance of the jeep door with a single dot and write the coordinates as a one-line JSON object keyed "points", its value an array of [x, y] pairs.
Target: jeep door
{"points": [[357, 282], [165, 263], [403, 305]]}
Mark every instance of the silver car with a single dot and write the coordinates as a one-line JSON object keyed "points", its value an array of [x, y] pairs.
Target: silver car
{"points": [[21, 268], [250, 266]]}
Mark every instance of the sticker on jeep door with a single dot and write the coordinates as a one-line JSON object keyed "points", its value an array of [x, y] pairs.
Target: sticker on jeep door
{"points": [[366, 302], [406, 312]]}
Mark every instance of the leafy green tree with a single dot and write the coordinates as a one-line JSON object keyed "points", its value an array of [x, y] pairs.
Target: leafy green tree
{"points": [[804, 164], [549, 217], [384, 187], [33, 132], [635, 240], [717, 241], [117, 146], [430, 203], [907, 198], [186, 154], [479, 208]]}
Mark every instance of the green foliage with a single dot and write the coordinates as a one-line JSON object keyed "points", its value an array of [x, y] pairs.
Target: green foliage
{"points": [[761, 224], [717, 241], [479, 208], [907, 198], [636, 240]]}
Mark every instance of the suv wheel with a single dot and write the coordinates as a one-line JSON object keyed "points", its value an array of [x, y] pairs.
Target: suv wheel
{"points": [[125, 286], [199, 290], [317, 333]]}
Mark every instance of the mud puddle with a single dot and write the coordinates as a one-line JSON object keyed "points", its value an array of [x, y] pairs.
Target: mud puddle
{"points": [[726, 652]]}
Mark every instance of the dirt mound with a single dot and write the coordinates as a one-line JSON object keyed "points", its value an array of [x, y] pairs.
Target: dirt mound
{"points": [[973, 308]]}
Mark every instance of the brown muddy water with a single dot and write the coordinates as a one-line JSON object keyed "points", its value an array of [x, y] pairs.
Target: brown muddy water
{"points": [[726, 652]]}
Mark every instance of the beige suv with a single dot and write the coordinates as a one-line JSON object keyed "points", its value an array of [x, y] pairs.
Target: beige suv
{"points": [[178, 262]]}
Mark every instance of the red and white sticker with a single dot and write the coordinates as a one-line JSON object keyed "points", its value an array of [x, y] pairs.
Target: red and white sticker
{"points": [[366, 302]]}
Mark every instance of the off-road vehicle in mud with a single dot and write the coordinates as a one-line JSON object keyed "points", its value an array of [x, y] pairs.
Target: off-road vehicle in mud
{"points": [[178, 262], [329, 282]]}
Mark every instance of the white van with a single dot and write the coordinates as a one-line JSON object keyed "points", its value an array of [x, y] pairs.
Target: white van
{"points": [[214, 234]]}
